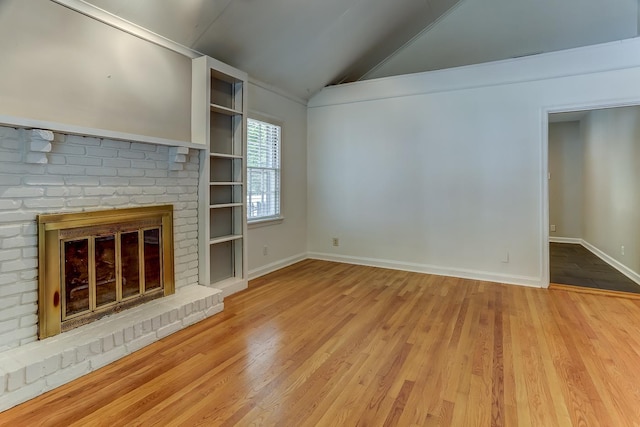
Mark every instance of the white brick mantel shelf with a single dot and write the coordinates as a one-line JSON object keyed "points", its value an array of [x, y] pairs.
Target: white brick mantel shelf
{"points": [[26, 123], [40, 366]]}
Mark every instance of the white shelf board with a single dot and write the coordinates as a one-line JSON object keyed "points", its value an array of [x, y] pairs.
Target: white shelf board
{"points": [[225, 183], [225, 205], [225, 156], [28, 123], [225, 110], [223, 239]]}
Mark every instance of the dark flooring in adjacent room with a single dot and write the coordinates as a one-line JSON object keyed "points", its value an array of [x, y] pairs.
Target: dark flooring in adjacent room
{"points": [[573, 264]]}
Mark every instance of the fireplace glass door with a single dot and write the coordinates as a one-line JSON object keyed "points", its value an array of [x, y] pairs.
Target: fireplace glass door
{"points": [[76, 276], [102, 270]]}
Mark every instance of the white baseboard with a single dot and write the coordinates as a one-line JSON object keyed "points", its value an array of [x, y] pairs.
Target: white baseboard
{"points": [[612, 262], [431, 269], [277, 265], [572, 240]]}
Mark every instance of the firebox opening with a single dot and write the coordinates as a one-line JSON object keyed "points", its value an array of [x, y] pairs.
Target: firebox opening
{"points": [[97, 263]]}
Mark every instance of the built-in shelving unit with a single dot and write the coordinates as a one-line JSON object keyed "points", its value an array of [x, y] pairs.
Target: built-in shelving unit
{"points": [[219, 122]]}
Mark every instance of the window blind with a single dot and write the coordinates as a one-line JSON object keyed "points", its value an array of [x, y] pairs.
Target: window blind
{"points": [[263, 170]]}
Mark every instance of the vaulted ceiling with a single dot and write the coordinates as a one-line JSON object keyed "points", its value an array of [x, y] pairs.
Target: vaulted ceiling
{"points": [[489, 30], [301, 46]]}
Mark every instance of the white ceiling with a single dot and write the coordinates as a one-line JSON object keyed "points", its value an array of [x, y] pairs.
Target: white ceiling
{"points": [[301, 46], [488, 30]]}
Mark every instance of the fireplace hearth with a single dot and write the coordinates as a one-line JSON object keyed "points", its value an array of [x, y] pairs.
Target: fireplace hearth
{"points": [[96, 263]]}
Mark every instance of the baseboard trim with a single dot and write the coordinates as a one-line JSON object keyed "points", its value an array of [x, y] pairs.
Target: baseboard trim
{"points": [[277, 265], [572, 240], [612, 262], [535, 282]]}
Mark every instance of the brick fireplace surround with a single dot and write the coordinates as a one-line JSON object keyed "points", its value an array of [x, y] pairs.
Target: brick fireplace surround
{"points": [[87, 173]]}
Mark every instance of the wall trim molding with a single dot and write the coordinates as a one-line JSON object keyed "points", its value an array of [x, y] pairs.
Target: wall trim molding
{"points": [[277, 265], [572, 240], [613, 56], [509, 279], [119, 23], [534, 282]]}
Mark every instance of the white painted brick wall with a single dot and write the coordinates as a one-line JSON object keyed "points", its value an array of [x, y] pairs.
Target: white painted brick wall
{"points": [[83, 173]]}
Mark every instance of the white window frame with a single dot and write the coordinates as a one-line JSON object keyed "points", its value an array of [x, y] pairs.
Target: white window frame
{"points": [[262, 221]]}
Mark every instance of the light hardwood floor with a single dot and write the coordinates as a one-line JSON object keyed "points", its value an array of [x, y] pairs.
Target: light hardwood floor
{"points": [[328, 344]]}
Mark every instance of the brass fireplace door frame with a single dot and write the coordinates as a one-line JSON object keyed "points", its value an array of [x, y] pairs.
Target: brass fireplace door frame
{"points": [[49, 274]]}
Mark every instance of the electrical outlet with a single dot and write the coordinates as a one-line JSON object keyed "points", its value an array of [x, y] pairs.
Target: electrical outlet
{"points": [[336, 241], [265, 250], [553, 228], [505, 258], [621, 250]]}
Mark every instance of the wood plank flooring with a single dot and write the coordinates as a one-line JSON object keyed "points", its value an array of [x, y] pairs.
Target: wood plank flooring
{"points": [[328, 344]]}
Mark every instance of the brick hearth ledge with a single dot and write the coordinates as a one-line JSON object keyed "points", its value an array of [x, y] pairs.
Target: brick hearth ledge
{"points": [[40, 366]]}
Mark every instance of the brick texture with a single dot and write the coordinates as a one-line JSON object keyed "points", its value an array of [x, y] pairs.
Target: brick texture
{"points": [[82, 174]]}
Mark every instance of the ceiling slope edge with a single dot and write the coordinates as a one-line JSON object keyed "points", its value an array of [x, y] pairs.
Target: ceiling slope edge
{"points": [[610, 56], [412, 40]]}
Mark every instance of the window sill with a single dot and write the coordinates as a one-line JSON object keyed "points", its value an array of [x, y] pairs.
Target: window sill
{"points": [[264, 222]]}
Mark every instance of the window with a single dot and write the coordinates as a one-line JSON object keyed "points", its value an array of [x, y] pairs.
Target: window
{"points": [[263, 170]]}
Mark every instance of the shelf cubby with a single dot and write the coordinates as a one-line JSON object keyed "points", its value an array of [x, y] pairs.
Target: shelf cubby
{"points": [[225, 221], [222, 262], [223, 259], [225, 169], [226, 91], [226, 134], [225, 194]]}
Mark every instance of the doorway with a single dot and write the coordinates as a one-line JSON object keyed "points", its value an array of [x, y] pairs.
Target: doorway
{"points": [[593, 202]]}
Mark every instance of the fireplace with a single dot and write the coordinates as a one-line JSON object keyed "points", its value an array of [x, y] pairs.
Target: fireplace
{"points": [[95, 263]]}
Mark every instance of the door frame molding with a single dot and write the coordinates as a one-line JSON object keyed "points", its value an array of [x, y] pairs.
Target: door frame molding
{"points": [[544, 161]]}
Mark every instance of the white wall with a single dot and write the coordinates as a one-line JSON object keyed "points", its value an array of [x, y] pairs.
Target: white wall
{"points": [[60, 66], [445, 171], [611, 179], [565, 185], [286, 241]]}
